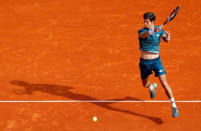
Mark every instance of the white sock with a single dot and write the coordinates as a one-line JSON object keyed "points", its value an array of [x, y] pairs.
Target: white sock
{"points": [[151, 87], [173, 102]]}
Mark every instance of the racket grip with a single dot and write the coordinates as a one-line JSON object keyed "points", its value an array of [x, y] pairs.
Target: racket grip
{"points": [[161, 26]]}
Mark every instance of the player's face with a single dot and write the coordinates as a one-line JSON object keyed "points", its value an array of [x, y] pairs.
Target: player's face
{"points": [[148, 23]]}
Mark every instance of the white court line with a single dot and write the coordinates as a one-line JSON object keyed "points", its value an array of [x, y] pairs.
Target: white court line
{"points": [[98, 101]]}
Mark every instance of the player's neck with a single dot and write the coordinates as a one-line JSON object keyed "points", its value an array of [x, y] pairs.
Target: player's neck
{"points": [[152, 26]]}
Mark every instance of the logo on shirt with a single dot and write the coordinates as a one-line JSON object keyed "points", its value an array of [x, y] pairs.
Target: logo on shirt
{"points": [[157, 35], [160, 70]]}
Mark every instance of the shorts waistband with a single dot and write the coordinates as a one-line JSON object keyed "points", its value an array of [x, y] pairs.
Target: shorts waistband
{"points": [[151, 60]]}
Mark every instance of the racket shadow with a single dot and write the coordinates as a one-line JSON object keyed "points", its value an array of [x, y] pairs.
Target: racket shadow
{"points": [[65, 91]]}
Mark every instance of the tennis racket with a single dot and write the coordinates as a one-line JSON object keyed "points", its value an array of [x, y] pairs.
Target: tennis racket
{"points": [[171, 16]]}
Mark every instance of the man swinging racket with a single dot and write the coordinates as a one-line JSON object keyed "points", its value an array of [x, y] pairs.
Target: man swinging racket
{"points": [[149, 40]]}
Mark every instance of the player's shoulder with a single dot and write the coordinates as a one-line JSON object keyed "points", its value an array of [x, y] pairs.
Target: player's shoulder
{"points": [[142, 30]]}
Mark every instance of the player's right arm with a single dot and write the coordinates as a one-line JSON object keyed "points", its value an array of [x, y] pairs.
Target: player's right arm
{"points": [[147, 33]]}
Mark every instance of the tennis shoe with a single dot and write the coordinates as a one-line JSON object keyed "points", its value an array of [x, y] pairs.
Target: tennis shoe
{"points": [[153, 92], [175, 112]]}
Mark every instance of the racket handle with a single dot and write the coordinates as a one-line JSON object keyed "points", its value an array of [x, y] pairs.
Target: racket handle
{"points": [[161, 26]]}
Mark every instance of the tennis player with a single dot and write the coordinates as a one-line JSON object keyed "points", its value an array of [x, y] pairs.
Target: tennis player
{"points": [[149, 40]]}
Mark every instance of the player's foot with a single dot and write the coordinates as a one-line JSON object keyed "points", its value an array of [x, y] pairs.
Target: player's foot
{"points": [[175, 112], [153, 91]]}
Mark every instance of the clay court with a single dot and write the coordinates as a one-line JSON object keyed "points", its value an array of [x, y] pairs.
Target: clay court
{"points": [[88, 50]]}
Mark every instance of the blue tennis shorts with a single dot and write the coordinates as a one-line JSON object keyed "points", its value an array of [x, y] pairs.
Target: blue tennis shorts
{"points": [[147, 66]]}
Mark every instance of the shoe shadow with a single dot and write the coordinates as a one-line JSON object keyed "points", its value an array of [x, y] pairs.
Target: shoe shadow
{"points": [[65, 92]]}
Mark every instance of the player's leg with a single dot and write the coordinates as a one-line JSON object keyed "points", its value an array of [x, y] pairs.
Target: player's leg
{"points": [[146, 82], [152, 87], [166, 86], [160, 73], [146, 71], [169, 93]]}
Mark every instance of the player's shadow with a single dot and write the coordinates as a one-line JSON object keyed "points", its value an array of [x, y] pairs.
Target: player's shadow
{"points": [[65, 92]]}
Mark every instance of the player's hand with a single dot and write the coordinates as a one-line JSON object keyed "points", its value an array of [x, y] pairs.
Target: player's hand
{"points": [[167, 35], [157, 29]]}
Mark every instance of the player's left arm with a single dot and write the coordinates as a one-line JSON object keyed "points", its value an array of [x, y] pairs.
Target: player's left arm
{"points": [[166, 36]]}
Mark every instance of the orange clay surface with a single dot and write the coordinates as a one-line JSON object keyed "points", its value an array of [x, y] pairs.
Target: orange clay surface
{"points": [[89, 50]]}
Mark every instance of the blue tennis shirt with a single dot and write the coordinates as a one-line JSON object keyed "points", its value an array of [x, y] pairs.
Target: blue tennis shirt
{"points": [[152, 42]]}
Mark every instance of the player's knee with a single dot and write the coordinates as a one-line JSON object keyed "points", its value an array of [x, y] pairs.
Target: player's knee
{"points": [[145, 84]]}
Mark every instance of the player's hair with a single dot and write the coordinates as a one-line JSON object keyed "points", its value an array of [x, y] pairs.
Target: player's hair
{"points": [[150, 15]]}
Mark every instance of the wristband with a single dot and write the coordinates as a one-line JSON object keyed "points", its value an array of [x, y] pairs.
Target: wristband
{"points": [[151, 31]]}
